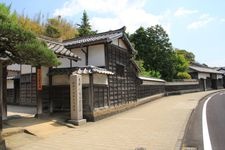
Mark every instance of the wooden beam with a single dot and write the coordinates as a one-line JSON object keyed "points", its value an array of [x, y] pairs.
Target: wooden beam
{"points": [[106, 56], [86, 55], [91, 92]]}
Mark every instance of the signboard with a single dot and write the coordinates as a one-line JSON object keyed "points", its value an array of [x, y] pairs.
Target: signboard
{"points": [[39, 80]]}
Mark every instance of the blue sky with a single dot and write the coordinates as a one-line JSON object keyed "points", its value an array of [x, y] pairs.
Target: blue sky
{"points": [[194, 25]]}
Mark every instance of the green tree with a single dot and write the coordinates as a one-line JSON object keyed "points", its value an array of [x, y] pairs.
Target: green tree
{"points": [[155, 49], [85, 26], [51, 29], [30, 25], [14, 40], [145, 73], [60, 28], [189, 56], [20, 46], [182, 65]]}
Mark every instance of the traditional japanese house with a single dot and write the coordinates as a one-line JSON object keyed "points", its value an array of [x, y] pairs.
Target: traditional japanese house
{"points": [[222, 69], [109, 74], [110, 81], [209, 78]]}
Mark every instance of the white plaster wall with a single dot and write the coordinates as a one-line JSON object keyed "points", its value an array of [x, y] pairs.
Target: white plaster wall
{"points": [[65, 79], [14, 67], [60, 80], [81, 54], [96, 55], [183, 83], [153, 83], [85, 79], [115, 42], [219, 76], [203, 75], [100, 79], [25, 69], [44, 76], [122, 44], [65, 63], [10, 84]]}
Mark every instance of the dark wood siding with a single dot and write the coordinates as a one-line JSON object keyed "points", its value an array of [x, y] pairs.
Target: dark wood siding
{"points": [[61, 97], [10, 96], [28, 90], [100, 96], [122, 89], [149, 90]]}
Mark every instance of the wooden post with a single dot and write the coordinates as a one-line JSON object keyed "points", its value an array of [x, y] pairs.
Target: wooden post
{"points": [[91, 92], [50, 92], [39, 89], [86, 55], [2, 141], [204, 84]]}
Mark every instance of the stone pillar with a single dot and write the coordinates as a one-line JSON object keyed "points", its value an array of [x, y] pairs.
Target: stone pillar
{"points": [[76, 106]]}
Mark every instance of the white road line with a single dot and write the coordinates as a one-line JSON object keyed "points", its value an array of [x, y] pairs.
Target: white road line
{"points": [[206, 138]]}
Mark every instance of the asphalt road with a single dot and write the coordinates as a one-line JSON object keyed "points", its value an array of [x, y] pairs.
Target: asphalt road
{"points": [[208, 121]]}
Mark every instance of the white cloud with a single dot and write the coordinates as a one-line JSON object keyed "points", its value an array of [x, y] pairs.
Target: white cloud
{"points": [[222, 20], [183, 12], [201, 22], [130, 13], [73, 7]]}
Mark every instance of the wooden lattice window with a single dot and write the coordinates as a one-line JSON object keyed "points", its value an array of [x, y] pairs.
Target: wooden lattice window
{"points": [[120, 70]]}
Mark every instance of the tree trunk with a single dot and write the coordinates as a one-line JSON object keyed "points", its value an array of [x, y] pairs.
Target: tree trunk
{"points": [[2, 141]]}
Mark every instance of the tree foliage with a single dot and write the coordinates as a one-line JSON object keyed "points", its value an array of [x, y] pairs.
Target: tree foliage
{"points": [[183, 75], [20, 45], [60, 28], [155, 49], [182, 65], [145, 73], [189, 56], [85, 26], [30, 25]]}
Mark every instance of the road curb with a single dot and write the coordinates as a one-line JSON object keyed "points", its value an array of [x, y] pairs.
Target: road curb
{"points": [[182, 146]]}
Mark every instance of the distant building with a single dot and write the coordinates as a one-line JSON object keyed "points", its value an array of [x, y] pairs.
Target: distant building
{"points": [[222, 69], [209, 78]]}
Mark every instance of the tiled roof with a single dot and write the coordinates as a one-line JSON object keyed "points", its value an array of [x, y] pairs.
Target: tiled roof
{"points": [[204, 69], [101, 37], [80, 70], [108, 36], [60, 50]]}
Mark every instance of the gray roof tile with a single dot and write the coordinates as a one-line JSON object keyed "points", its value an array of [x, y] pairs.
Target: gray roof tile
{"points": [[100, 37], [60, 50], [80, 70], [204, 69]]}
